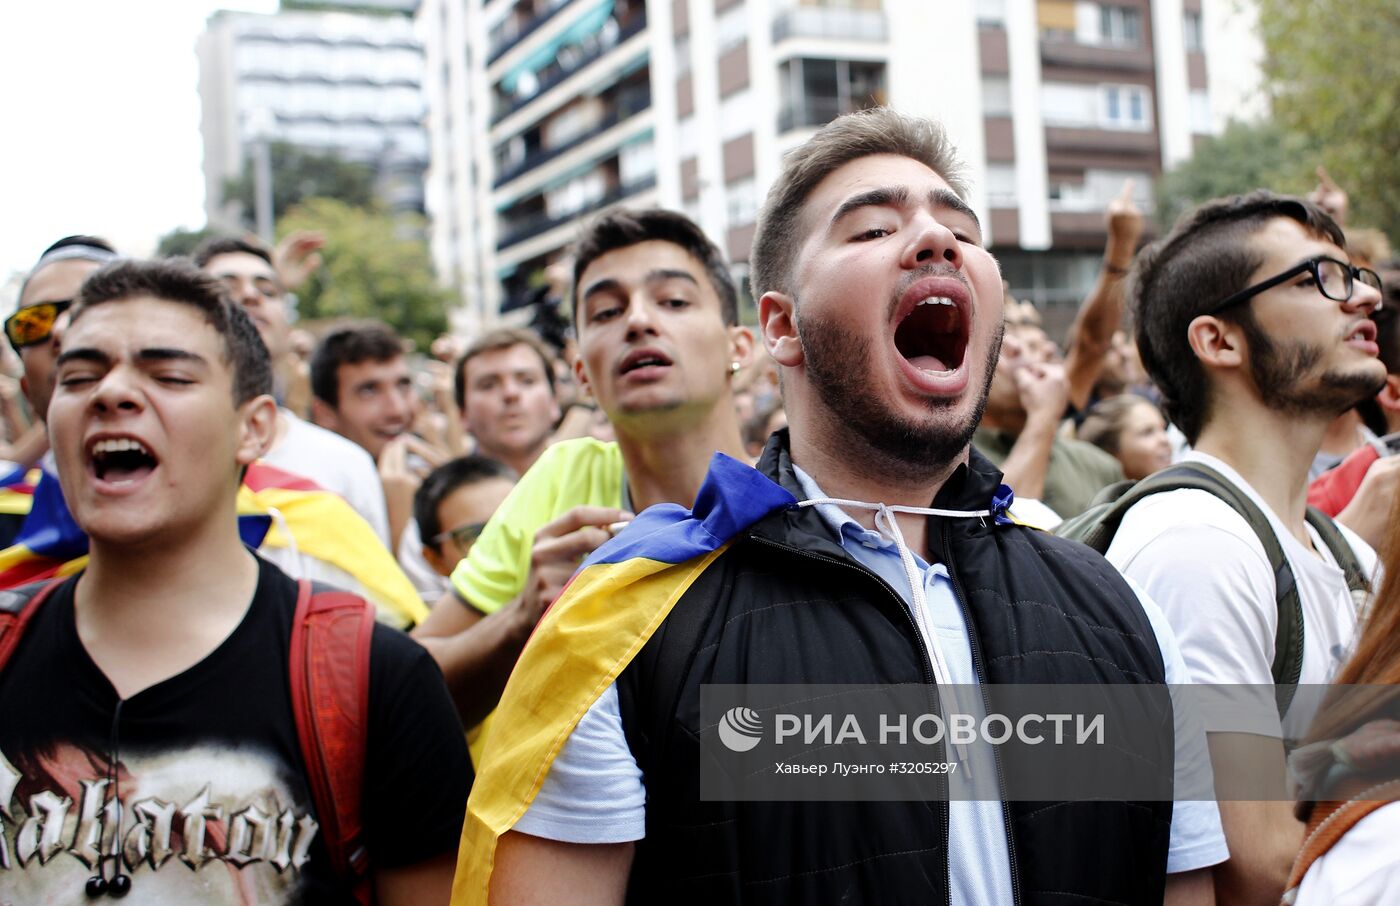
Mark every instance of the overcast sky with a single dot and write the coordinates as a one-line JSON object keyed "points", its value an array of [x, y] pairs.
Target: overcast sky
{"points": [[99, 121]]}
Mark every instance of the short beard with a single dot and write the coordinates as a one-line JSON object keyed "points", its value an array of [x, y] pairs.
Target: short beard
{"points": [[835, 364], [1279, 370]]}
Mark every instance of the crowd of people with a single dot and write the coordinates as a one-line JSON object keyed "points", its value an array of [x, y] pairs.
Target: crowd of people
{"points": [[325, 618]]}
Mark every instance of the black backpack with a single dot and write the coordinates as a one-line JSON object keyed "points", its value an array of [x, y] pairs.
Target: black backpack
{"points": [[1097, 525]]}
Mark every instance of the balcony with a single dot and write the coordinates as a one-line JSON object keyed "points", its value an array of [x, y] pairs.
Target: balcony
{"points": [[832, 24], [627, 106], [815, 112], [504, 39], [541, 223], [1101, 141], [556, 72], [1073, 55]]}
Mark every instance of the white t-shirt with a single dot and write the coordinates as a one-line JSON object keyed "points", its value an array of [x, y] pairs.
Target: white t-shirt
{"points": [[594, 792], [1207, 570], [338, 465], [1361, 869]]}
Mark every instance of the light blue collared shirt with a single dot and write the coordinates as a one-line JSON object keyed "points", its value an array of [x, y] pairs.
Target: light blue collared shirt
{"points": [[979, 863]]}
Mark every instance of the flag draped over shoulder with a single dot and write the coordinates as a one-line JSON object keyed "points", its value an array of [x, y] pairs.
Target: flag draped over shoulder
{"points": [[613, 604], [310, 522], [278, 514]]}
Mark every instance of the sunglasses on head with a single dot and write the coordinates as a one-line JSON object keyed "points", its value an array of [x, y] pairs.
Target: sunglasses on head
{"points": [[464, 535], [34, 323]]}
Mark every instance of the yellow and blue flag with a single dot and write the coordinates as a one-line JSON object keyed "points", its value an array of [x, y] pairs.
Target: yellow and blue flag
{"points": [[277, 512], [621, 594]]}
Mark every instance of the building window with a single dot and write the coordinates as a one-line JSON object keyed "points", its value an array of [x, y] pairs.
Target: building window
{"points": [[1124, 107], [1097, 189], [991, 13], [815, 92], [1201, 122], [637, 162], [1120, 25], [996, 96], [737, 114], [682, 55], [741, 201], [1001, 185], [731, 27], [688, 137], [1193, 33]]}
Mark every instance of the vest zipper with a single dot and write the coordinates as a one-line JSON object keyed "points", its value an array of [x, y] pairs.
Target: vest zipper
{"points": [[977, 668], [929, 682]]}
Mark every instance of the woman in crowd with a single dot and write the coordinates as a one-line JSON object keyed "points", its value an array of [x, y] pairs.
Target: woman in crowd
{"points": [[1131, 429], [1349, 772]]}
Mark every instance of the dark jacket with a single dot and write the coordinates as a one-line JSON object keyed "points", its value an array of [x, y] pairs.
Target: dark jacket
{"points": [[785, 604]]}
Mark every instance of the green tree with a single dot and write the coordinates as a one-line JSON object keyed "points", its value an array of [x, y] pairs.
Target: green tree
{"points": [[181, 241], [298, 174], [1333, 67], [1246, 156], [375, 265]]}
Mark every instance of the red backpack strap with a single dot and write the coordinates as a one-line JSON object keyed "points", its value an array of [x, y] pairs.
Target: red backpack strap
{"points": [[17, 608], [329, 671]]}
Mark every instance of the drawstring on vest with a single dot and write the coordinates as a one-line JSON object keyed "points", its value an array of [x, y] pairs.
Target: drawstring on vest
{"points": [[888, 526]]}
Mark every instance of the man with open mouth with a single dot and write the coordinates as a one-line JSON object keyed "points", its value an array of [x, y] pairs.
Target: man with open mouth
{"points": [[156, 703], [1256, 326], [869, 546]]}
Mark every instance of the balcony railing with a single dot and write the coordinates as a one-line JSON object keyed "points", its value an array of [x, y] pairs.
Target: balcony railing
{"points": [[1100, 56], [501, 43], [541, 223], [812, 112], [627, 106], [838, 24], [558, 74]]}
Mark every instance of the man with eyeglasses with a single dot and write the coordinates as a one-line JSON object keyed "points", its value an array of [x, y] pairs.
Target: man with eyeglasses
{"points": [[1256, 328], [47, 293], [247, 271]]}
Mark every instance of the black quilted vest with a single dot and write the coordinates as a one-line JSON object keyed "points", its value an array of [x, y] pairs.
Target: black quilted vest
{"points": [[787, 605]]}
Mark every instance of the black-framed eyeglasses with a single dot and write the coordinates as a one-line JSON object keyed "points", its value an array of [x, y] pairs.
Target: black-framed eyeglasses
{"points": [[1335, 279], [464, 535], [34, 323]]}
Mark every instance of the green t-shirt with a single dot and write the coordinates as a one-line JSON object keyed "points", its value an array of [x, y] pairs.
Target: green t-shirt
{"points": [[581, 472]]}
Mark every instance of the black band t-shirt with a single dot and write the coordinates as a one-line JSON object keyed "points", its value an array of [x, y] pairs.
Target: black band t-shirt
{"points": [[214, 802]]}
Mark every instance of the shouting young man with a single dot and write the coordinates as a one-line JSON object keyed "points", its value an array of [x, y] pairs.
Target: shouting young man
{"points": [[152, 742], [884, 310]]}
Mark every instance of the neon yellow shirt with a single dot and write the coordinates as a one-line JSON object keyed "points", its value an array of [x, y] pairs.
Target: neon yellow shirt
{"points": [[581, 472]]}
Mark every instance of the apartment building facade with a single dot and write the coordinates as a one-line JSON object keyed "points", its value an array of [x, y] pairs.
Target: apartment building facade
{"points": [[340, 82], [542, 112]]}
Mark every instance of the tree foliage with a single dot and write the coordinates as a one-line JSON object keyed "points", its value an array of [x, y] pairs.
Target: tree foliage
{"points": [[1333, 67], [299, 174], [375, 265], [1246, 156], [181, 241]]}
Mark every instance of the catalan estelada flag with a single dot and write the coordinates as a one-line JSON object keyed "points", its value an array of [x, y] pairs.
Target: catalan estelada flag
{"points": [[311, 522], [17, 491], [312, 532], [608, 611]]}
